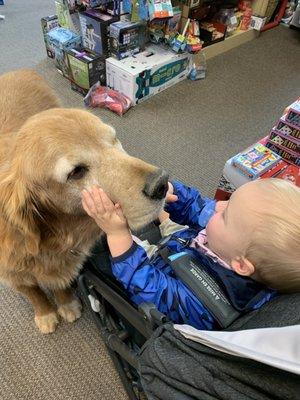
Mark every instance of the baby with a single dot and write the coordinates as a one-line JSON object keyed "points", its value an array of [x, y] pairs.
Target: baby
{"points": [[250, 244]]}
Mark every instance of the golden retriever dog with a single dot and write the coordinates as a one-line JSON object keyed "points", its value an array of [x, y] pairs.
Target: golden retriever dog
{"points": [[48, 155]]}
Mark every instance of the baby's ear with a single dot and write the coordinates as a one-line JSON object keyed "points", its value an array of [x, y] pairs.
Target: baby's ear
{"points": [[242, 266]]}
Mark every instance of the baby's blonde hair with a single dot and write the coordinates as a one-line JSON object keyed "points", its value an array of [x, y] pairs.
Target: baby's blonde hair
{"points": [[274, 249]]}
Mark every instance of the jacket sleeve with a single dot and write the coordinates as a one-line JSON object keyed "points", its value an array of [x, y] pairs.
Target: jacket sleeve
{"points": [[151, 283], [190, 209]]}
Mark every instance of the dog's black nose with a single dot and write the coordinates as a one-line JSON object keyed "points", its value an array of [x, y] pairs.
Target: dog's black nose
{"points": [[156, 185]]}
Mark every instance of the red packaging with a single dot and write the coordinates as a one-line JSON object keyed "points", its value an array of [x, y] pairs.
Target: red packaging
{"points": [[103, 97], [284, 171]]}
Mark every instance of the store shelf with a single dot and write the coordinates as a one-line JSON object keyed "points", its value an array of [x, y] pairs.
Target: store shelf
{"points": [[230, 42]]}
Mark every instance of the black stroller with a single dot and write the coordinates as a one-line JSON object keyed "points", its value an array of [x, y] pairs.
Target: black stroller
{"points": [[126, 329]]}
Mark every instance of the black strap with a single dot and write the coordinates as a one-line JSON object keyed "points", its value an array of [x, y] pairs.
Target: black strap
{"points": [[196, 276]]}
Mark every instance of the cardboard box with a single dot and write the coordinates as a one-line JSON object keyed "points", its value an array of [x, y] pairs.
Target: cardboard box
{"points": [[86, 69], [127, 38], [95, 30], [255, 160], [284, 140], [49, 23], [293, 115], [257, 23], [92, 3], [60, 40], [147, 73], [264, 8], [288, 155], [287, 128]]}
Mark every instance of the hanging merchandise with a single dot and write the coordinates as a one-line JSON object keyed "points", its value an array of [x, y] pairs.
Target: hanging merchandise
{"points": [[63, 14], [127, 6], [160, 9], [135, 11], [143, 10]]}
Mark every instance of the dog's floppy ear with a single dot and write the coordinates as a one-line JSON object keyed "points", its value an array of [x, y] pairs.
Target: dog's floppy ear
{"points": [[18, 208]]}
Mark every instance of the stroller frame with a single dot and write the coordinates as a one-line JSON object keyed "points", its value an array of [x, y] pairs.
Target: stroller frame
{"points": [[104, 298]]}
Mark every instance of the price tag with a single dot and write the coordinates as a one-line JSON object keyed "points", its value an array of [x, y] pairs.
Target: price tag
{"points": [[233, 20]]}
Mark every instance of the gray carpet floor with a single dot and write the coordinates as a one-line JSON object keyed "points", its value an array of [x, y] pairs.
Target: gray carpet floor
{"points": [[190, 130]]}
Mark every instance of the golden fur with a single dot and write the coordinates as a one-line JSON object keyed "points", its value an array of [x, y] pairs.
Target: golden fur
{"points": [[45, 235]]}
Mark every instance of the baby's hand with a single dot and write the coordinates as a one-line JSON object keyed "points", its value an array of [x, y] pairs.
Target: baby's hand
{"points": [[108, 216]]}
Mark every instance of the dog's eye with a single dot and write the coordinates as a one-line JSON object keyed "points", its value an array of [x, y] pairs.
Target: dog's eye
{"points": [[78, 172]]}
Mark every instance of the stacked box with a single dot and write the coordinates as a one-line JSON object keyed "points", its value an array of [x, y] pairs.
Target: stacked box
{"points": [[293, 116], [86, 68], [284, 139], [255, 161], [93, 3], [232, 179], [287, 128], [147, 73], [60, 40], [127, 38], [289, 156], [49, 23], [95, 30]]}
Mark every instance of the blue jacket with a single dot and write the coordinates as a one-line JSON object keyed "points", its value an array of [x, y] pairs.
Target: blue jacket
{"points": [[154, 281]]}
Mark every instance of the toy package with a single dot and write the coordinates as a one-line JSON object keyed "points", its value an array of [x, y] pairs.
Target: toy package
{"points": [[288, 155], [160, 9], [103, 97], [86, 69], [172, 25], [179, 42], [156, 29], [255, 161], [60, 40], [127, 38], [285, 171], [293, 116], [285, 127], [288, 142], [94, 28], [49, 23]]}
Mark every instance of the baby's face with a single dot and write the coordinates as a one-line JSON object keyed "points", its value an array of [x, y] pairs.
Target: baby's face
{"points": [[229, 231]]}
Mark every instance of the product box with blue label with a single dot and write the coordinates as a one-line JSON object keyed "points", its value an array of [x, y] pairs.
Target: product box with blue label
{"points": [[148, 73], [60, 40]]}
